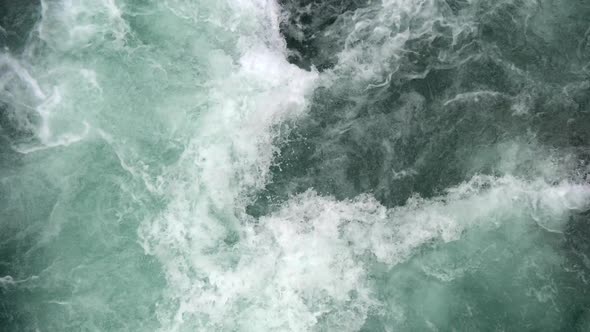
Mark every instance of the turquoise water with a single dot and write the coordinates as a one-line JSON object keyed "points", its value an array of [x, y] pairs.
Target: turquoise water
{"points": [[300, 165]]}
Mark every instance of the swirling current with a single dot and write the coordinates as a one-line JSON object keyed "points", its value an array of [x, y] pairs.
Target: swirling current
{"points": [[294, 165]]}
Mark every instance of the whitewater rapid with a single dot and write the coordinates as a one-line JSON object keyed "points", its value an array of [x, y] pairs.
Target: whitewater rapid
{"points": [[250, 165]]}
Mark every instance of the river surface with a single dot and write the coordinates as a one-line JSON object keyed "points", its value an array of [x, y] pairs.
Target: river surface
{"points": [[294, 165]]}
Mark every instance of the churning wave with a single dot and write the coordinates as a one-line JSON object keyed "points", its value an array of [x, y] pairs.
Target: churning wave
{"points": [[294, 165]]}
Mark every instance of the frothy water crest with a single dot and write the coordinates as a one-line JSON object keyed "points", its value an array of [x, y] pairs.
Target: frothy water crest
{"points": [[254, 165]]}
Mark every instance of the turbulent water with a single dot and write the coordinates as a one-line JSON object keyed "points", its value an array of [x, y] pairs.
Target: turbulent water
{"points": [[295, 165]]}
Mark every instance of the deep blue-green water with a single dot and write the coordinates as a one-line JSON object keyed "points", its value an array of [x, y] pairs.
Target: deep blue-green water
{"points": [[294, 165]]}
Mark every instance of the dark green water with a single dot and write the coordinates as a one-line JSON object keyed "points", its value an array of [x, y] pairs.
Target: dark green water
{"points": [[300, 165]]}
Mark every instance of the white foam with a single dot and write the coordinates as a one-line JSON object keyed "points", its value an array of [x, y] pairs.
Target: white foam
{"points": [[75, 24], [303, 267], [228, 158], [375, 39], [9, 281], [62, 140], [475, 96], [15, 67], [22, 88], [6, 281]]}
